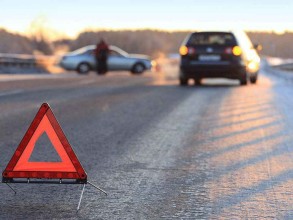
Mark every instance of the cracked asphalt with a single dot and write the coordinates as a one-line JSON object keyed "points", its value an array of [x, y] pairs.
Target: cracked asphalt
{"points": [[216, 151]]}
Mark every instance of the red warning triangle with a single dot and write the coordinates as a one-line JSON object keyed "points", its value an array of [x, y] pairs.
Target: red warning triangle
{"points": [[20, 167]]}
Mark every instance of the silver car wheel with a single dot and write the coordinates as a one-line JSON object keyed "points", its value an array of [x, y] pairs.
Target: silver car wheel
{"points": [[83, 68], [138, 68]]}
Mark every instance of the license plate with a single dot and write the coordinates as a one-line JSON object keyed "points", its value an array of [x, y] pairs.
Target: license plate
{"points": [[209, 57]]}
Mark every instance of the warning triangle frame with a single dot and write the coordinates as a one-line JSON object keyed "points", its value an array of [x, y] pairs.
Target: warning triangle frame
{"points": [[79, 176]]}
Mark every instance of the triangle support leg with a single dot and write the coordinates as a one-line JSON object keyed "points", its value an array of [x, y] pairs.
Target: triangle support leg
{"points": [[98, 188], [80, 197], [11, 188]]}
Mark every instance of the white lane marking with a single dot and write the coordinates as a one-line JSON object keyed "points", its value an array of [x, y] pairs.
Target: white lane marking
{"points": [[88, 81], [11, 92], [16, 77]]}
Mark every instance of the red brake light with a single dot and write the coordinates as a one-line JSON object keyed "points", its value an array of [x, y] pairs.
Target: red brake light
{"points": [[191, 51], [228, 50]]}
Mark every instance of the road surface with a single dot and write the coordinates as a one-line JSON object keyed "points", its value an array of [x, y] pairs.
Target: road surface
{"points": [[160, 151]]}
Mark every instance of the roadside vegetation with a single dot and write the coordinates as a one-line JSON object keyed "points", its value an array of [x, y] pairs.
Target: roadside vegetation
{"points": [[151, 42]]}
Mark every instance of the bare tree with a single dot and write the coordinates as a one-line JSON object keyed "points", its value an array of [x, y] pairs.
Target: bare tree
{"points": [[39, 33]]}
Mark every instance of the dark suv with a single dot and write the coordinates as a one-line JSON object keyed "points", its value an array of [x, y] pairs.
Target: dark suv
{"points": [[218, 54]]}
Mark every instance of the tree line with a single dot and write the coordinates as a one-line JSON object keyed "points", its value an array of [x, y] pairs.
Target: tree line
{"points": [[151, 42]]}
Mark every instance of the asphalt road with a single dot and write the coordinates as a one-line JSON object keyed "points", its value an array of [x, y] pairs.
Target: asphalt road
{"points": [[160, 151]]}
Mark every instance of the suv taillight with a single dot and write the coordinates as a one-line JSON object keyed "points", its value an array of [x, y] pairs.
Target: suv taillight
{"points": [[228, 50], [191, 51], [183, 50], [236, 50], [186, 50]]}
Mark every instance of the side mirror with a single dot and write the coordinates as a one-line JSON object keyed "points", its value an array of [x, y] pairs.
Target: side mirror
{"points": [[257, 47]]}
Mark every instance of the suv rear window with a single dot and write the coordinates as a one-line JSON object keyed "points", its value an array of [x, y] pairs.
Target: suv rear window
{"points": [[211, 39]]}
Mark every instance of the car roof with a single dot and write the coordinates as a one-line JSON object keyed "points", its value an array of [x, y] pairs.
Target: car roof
{"points": [[92, 47], [218, 31]]}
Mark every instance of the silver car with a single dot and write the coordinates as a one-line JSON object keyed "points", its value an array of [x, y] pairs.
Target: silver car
{"points": [[83, 60]]}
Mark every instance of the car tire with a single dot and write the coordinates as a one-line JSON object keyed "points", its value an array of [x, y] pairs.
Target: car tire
{"points": [[183, 81], [197, 82], [243, 82], [102, 73], [83, 68], [253, 78], [138, 68], [243, 78]]}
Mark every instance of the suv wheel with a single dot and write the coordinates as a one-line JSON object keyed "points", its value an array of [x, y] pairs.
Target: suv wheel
{"points": [[253, 78], [197, 81], [243, 78], [183, 81], [243, 82], [83, 68]]}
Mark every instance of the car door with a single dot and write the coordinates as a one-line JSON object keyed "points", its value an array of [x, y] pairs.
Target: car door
{"points": [[117, 61]]}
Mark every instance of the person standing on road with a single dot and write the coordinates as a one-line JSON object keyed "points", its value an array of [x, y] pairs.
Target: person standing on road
{"points": [[101, 55]]}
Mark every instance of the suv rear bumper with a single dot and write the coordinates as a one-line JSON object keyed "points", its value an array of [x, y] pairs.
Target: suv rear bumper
{"points": [[213, 70]]}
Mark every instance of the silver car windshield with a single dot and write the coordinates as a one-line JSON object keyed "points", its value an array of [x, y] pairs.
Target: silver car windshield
{"points": [[119, 51], [82, 50]]}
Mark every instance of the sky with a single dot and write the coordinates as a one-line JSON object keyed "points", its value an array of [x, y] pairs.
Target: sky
{"points": [[69, 17]]}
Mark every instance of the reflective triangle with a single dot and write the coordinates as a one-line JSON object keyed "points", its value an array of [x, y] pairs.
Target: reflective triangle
{"points": [[20, 166]]}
